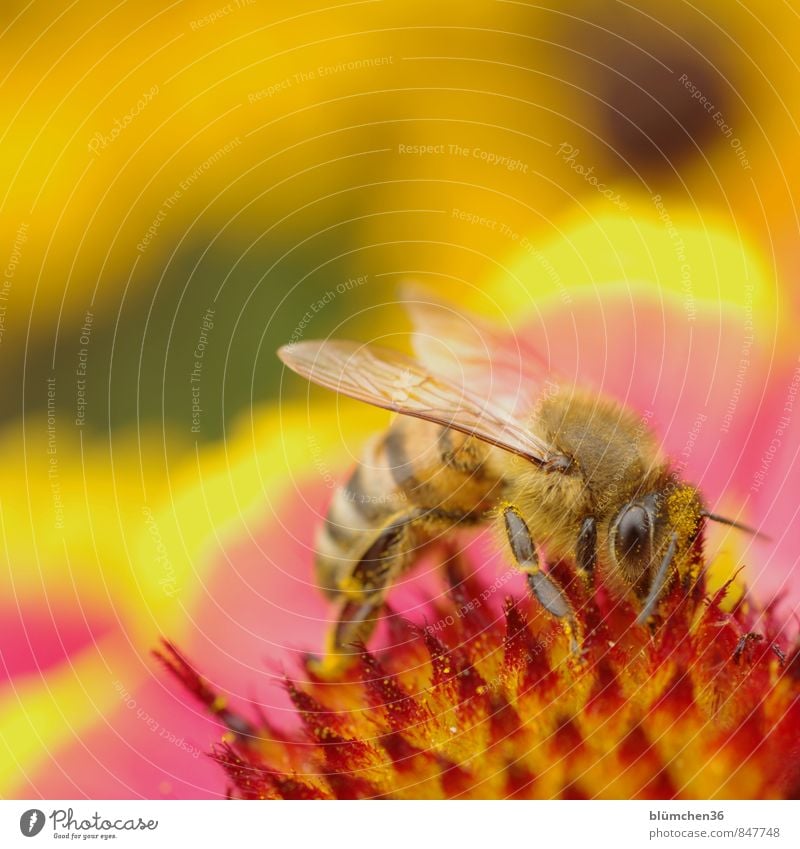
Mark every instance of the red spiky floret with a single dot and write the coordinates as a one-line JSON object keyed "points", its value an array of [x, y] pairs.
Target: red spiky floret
{"points": [[702, 703]]}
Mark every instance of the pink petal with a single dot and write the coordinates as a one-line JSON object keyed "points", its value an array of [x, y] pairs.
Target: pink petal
{"points": [[769, 485], [38, 636], [152, 745]]}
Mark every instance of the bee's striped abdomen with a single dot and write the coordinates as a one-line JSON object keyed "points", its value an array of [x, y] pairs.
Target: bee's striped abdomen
{"points": [[415, 469], [359, 508]]}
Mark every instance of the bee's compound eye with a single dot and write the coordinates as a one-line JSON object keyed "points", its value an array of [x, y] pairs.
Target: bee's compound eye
{"points": [[633, 533]]}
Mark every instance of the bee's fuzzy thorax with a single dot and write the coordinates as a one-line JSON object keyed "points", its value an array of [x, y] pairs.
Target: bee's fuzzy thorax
{"points": [[615, 459]]}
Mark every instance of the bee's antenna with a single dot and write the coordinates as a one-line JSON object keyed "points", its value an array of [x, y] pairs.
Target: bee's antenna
{"points": [[734, 524]]}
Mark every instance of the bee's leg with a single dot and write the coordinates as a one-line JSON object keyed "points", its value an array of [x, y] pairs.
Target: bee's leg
{"points": [[586, 549], [363, 593], [543, 587], [356, 620]]}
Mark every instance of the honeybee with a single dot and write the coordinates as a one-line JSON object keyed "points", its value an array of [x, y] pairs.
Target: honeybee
{"points": [[488, 436]]}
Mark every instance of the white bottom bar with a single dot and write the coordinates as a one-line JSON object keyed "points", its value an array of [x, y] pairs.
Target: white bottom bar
{"points": [[400, 825]]}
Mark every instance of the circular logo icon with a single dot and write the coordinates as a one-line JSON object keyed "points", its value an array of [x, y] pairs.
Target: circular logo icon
{"points": [[31, 822]]}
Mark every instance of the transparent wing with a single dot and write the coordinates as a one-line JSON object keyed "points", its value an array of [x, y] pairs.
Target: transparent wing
{"points": [[389, 379], [492, 360]]}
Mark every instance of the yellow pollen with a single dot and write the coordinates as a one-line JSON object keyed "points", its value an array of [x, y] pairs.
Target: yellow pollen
{"points": [[683, 511]]}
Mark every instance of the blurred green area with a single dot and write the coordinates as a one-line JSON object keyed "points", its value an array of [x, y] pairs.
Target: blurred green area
{"points": [[228, 316], [248, 158]]}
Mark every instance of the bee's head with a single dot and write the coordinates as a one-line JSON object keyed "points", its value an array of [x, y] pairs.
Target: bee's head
{"points": [[650, 538]]}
